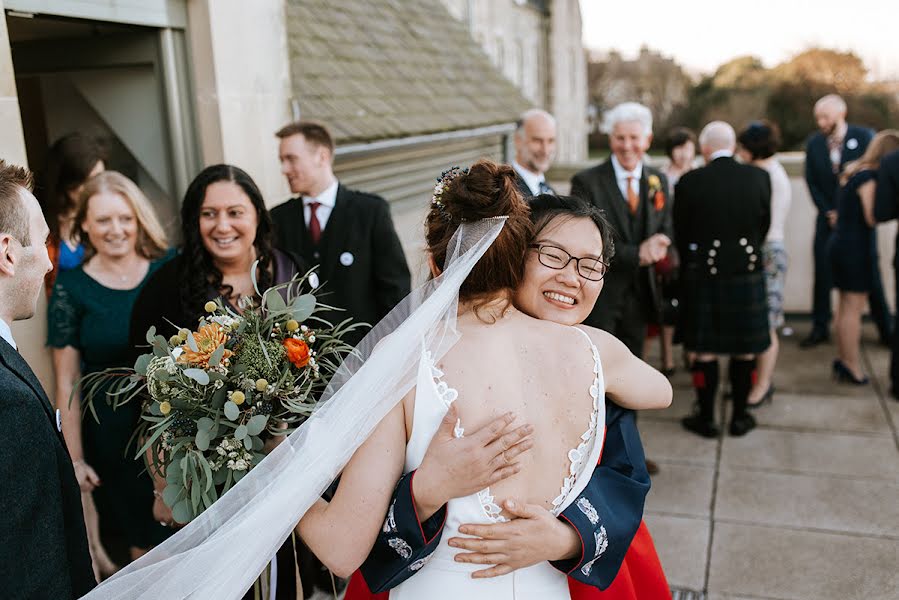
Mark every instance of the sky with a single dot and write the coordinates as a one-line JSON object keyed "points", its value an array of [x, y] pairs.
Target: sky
{"points": [[771, 30]]}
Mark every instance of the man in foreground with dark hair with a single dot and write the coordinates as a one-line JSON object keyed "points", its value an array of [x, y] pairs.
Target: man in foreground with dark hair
{"points": [[44, 553]]}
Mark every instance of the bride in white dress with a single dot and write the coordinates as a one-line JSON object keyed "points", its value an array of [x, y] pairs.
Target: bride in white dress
{"points": [[547, 374]]}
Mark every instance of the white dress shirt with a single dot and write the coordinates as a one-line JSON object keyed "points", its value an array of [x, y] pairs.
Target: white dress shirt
{"points": [[621, 175], [720, 153], [533, 180], [6, 334], [326, 199]]}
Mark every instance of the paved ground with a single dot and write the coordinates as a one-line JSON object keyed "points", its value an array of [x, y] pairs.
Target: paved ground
{"points": [[804, 507]]}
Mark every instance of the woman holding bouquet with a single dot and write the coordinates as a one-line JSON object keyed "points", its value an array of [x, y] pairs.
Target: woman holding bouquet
{"points": [[88, 319], [226, 228]]}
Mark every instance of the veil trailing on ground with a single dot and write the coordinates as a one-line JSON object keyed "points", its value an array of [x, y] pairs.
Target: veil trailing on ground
{"points": [[221, 552]]}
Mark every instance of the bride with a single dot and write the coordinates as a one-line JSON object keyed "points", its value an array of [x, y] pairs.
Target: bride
{"points": [[457, 341]]}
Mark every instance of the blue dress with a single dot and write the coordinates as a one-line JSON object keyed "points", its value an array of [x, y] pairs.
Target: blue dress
{"points": [[94, 319], [852, 245]]}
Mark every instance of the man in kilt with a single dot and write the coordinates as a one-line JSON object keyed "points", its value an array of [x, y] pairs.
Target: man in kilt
{"points": [[721, 217]]}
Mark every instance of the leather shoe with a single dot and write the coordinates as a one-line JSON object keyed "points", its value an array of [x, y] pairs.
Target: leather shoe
{"points": [[742, 425], [815, 338], [651, 467], [700, 426]]}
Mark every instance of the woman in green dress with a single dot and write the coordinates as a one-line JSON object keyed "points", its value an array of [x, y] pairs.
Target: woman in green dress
{"points": [[89, 315]]}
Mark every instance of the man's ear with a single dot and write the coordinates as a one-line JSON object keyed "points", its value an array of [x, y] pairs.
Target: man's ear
{"points": [[7, 256], [648, 141], [435, 271]]}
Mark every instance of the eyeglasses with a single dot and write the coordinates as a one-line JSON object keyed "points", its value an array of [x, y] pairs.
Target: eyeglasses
{"points": [[589, 268]]}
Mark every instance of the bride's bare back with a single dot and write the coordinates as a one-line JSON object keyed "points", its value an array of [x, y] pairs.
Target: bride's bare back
{"points": [[542, 372]]}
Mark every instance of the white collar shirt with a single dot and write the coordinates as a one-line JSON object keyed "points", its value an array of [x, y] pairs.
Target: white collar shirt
{"points": [[621, 175], [6, 334], [721, 153], [326, 201], [532, 180]]}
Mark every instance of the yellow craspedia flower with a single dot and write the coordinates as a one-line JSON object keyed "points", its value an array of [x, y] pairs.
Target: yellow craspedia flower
{"points": [[165, 407], [238, 398], [292, 325], [261, 385], [175, 340], [210, 306], [183, 333]]}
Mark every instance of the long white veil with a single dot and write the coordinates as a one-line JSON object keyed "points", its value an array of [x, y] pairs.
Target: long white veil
{"points": [[220, 553]]}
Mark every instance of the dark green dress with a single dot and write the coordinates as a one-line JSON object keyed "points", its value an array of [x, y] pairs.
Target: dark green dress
{"points": [[94, 319]]}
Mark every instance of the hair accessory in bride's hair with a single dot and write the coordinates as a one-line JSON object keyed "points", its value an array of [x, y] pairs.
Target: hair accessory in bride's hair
{"points": [[445, 178]]}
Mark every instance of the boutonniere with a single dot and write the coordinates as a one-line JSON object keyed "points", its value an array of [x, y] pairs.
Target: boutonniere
{"points": [[852, 143], [655, 191]]}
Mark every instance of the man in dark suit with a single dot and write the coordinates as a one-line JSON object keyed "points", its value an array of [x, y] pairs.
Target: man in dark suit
{"points": [[349, 234], [634, 197], [43, 544], [886, 208], [721, 218], [827, 151], [535, 149]]}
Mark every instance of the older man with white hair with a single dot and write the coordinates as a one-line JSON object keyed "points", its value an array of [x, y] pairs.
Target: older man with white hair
{"points": [[634, 197], [721, 218], [535, 150]]}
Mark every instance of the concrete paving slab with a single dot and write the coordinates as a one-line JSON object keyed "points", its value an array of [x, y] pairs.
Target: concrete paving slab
{"points": [[854, 455], [815, 502], [771, 562], [682, 544], [681, 490], [666, 441], [824, 413]]}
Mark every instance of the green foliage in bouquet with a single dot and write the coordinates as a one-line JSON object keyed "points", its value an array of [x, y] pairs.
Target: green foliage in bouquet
{"points": [[215, 398]]}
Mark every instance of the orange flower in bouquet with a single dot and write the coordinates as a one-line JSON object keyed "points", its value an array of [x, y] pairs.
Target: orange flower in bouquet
{"points": [[297, 352], [208, 338]]}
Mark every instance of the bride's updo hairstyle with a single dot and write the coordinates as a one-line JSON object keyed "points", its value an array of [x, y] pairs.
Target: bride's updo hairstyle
{"points": [[487, 190]]}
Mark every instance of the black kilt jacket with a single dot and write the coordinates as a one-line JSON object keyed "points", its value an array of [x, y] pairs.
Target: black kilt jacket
{"points": [[721, 218]]}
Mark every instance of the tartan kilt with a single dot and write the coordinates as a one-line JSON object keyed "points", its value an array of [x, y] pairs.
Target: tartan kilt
{"points": [[724, 315]]}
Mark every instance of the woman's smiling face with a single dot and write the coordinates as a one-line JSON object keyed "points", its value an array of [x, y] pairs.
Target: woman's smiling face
{"points": [[561, 295]]}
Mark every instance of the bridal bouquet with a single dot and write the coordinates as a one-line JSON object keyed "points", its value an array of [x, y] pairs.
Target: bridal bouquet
{"points": [[215, 397]]}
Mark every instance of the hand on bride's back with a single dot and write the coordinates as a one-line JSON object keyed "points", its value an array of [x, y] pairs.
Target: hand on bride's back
{"points": [[454, 467]]}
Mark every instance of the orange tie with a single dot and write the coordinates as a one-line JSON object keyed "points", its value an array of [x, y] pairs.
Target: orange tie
{"points": [[632, 198]]}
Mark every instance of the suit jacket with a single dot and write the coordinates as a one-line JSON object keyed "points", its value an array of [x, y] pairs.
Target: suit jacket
{"points": [[43, 544], [822, 182], [616, 494], [525, 190], [886, 200], [599, 186], [362, 267], [721, 217]]}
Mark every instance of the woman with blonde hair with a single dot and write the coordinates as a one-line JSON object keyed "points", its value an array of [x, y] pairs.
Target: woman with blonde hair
{"points": [[853, 252], [88, 318]]}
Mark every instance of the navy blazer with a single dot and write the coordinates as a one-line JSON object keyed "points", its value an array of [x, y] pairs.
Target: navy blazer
{"points": [[43, 544], [362, 268], [886, 200], [822, 182], [605, 515]]}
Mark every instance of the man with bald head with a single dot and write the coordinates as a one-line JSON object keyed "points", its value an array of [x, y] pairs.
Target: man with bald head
{"points": [[535, 149], [834, 144], [721, 218]]}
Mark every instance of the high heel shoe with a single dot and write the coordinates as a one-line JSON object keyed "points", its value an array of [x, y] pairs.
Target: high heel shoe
{"points": [[843, 375], [767, 398]]}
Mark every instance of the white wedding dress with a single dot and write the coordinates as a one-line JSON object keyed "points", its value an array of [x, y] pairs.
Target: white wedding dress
{"points": [[439, 577]]}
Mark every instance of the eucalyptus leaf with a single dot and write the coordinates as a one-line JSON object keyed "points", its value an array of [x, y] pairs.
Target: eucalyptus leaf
{"points": [[231, 411], [195, 496], [238, 475], [241, 432], [141, 364], [205, 423], [302, 307], [151, 334], [181, 511], [248, 442], [202, 440], [162, 375], [220, 476], [274, 302], [192, 342], [198, 375], [207, 474], [219, 397], [170, 494], [173, 471], [257, 444], [216, 358], [257, 424]]}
